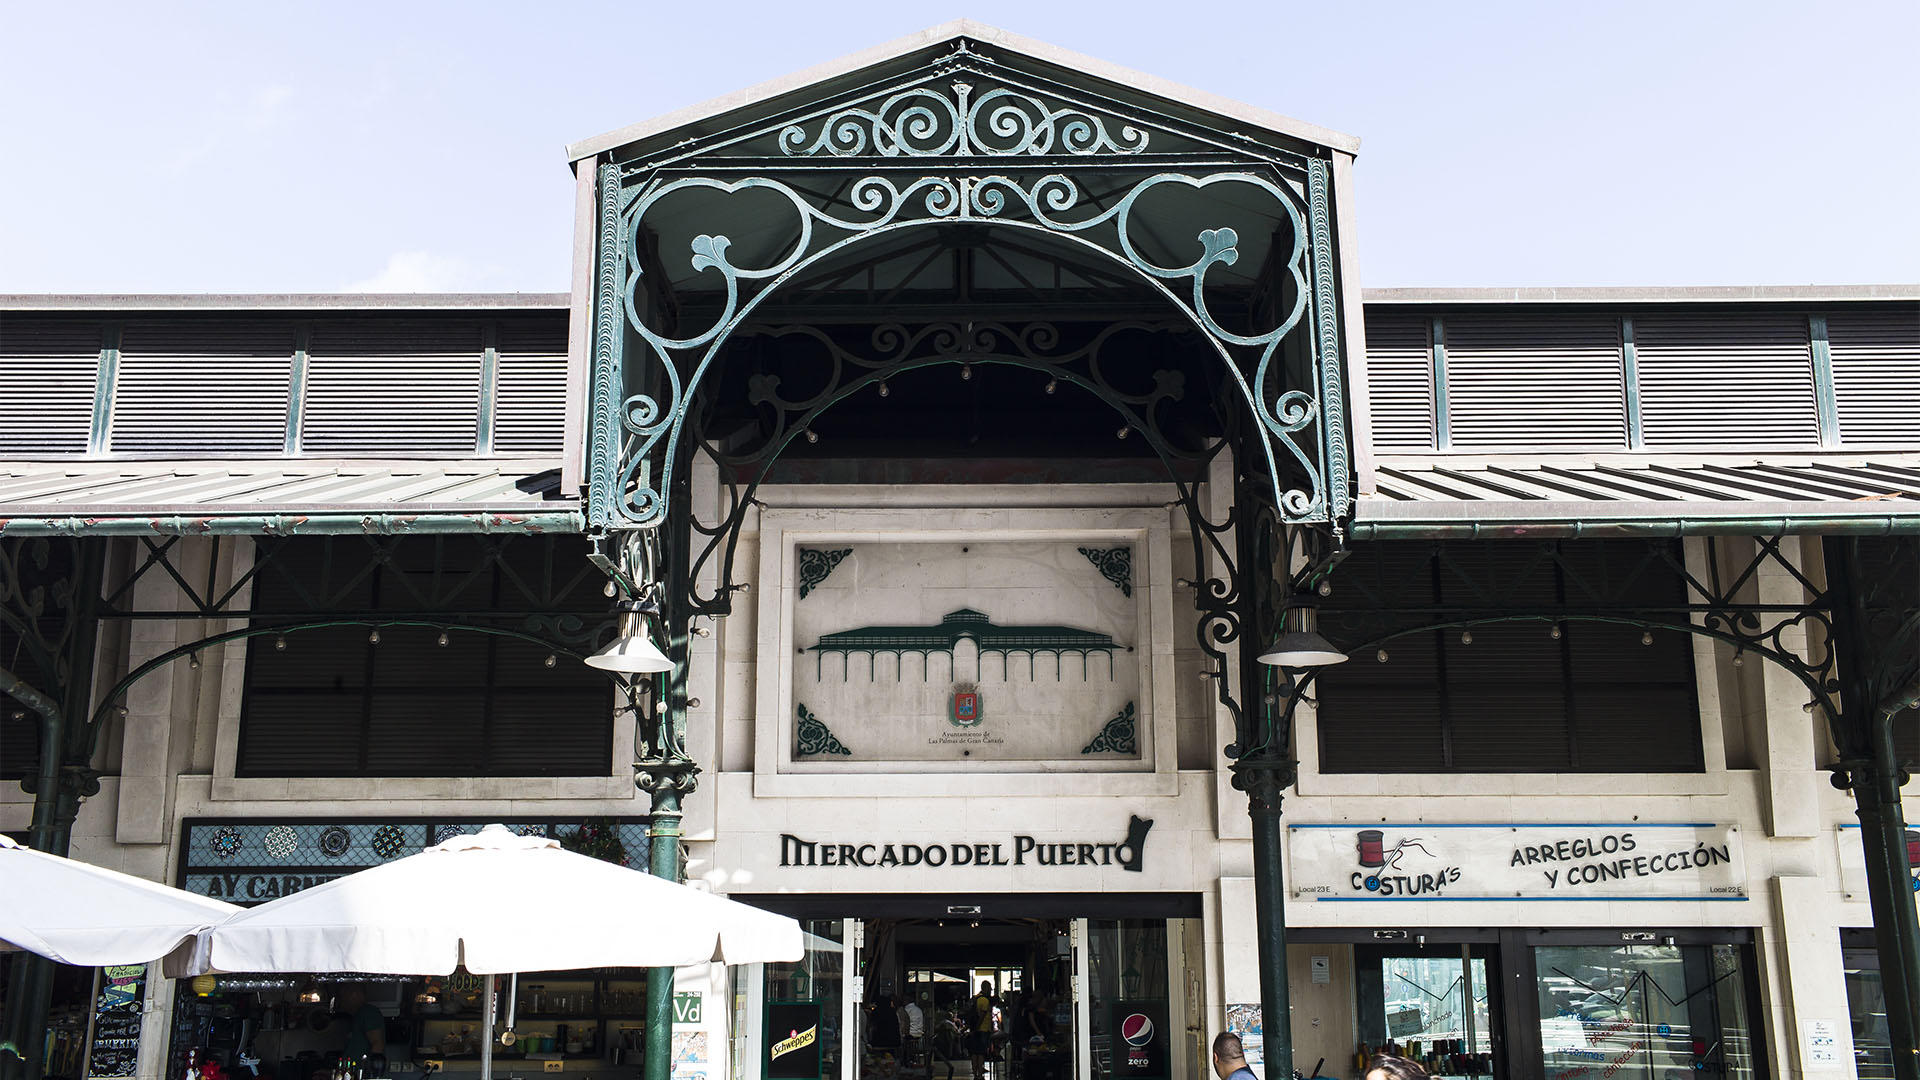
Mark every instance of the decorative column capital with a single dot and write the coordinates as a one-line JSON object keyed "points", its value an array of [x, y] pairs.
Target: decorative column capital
{"points": [[1265, 779]]}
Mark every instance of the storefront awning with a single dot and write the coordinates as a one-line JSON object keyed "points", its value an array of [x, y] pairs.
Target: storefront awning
{"points": [[1455, 496], [280, 497]]}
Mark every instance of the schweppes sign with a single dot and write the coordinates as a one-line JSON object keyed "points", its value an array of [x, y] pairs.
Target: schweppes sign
{"points": [[799, 1040]]}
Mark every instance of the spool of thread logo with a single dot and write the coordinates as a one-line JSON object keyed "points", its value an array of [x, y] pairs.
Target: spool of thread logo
{"points": [[1137, 1030], [1385, 870]]}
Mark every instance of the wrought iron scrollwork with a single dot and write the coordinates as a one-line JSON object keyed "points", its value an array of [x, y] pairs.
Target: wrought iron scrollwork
{"points": [[814, 737], [632, 472], [1117, 736], [936, 121]]}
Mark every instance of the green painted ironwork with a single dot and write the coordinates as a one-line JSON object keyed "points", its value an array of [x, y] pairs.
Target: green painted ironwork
{"points": [[100, 432], [815, 738], [1630, 380], [923, 121], [1117, 736], [834, 174], [1115, 564], [1442, 427], [1823, 394], [297, 387], [816, 564], [489, 386]]}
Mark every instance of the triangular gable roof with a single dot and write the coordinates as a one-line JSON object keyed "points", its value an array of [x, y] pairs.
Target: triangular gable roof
{"points": [[904, 54]]}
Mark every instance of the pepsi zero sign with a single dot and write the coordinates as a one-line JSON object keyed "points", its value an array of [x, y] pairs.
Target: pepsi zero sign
{"points": [[1140, 1039]]}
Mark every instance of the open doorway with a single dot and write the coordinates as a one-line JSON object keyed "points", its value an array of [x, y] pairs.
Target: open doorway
{"points": [[932, 974]]}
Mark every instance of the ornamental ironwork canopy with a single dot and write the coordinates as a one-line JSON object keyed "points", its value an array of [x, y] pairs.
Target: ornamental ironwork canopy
{"points": [[957, 198]]}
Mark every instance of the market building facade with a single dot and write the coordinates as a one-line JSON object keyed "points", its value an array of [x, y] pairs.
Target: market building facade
{"points": [[988, 437]]}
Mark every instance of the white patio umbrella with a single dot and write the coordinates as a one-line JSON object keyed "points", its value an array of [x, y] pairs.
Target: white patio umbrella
{"points": [[493, 902], [78, 913]]}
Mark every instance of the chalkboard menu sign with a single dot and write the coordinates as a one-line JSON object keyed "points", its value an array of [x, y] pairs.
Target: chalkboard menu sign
{"points": [[793, 1040], [116, 1022]]}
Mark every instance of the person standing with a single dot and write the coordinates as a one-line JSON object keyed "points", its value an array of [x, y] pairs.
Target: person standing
{"points": [[1230, 1058], [980, 1029], [916, 1024], [366, 1025]]}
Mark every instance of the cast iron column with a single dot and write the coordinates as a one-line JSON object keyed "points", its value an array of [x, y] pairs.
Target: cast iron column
{"points": [[664, 769], [663, 836], [1265, 781], [1864, 732], [63, 779]]}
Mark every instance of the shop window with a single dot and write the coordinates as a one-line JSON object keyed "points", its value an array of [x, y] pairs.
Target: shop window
{"points": [[1644, 1012], [1533, 695], [1867, 1007], [333, 701]]}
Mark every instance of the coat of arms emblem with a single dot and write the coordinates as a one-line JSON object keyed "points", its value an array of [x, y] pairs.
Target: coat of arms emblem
{"points": [[966, 705]]}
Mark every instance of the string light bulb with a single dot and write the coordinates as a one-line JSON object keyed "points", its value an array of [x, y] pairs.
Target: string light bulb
{"points": [[1554, 632], [1646, 637], [373, 638], [552, 660], [1053, 385], [885, 390], [442, 640], [966, 372], [1381, 656], [280, 643], [608, 590], [1466, 637]]}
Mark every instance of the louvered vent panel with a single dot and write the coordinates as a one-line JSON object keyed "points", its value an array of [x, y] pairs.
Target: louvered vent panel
{"points": [[1735, 380], [379, 405], [1876, 374], [1399, 382], [47, 377], [530, 404], [1534, 381], [540, 333], [189, 405]]}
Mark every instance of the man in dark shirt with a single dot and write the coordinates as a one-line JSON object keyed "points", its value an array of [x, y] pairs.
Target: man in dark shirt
{"points": [[1230, 1058]]}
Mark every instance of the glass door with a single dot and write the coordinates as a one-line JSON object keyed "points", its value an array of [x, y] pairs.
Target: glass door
{"points": [[1428, 1003], [802, 1015]]}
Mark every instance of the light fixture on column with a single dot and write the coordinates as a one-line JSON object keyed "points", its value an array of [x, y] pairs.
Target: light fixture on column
{"points": [[1299, 644], [633, 652]]}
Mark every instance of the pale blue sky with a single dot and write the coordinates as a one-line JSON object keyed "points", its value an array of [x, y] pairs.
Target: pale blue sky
{"points": [[262, 147]]}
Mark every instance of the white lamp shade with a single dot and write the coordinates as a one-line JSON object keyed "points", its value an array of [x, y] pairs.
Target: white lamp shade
{"points": [[1299, 644], [633, 652]]}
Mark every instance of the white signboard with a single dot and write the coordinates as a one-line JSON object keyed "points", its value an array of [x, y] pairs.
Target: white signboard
{"points": [[1853, 861], [974, 653], [1821, 1049], [1535, 862]]}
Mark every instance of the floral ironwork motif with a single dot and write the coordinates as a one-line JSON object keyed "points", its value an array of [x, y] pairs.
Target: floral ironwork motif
{"points": [[628, 485], [1118, 736], [816, 738], [1115, 564], [928, 121], [816, 564]]}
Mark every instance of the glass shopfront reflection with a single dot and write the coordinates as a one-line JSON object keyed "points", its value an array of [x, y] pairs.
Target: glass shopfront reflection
{"points": [[1643, 1012]]}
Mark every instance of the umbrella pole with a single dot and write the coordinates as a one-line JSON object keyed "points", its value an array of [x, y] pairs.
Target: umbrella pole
{"points": [[486, 1045]]}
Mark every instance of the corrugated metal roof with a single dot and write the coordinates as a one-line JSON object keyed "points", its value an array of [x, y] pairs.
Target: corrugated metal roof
{"points": [[170, 496], [1495, 495]]}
